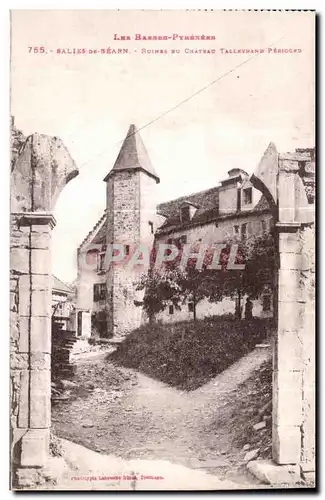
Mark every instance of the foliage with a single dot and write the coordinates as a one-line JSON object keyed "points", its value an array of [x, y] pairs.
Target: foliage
{"points": [[258, 255], [188, 354], [174, 284], [56, 448]]}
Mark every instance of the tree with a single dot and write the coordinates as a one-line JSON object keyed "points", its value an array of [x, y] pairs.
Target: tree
{"points": [[258, 254], [176, 284], [160, 288]]}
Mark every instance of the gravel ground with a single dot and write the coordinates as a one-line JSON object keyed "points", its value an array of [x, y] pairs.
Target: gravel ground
{"points": [[120, 412]]}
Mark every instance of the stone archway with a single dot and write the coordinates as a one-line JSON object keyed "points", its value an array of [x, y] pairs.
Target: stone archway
{"points": [[41, 167], [288, 182]]}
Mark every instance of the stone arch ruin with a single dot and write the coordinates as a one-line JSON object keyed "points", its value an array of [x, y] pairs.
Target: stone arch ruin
{"points": [[288, 182], [41, 167]]}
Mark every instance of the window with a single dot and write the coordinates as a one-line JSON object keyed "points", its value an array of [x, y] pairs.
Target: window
{"points": [[171, 309], [248, 195], [244, 231], [151, 226], [264, 226], [127, 249], [101, 262], [238, 199], [185, 213], [266, 303], [236, 230], [99, 292], [190, 307], [182, 240]]}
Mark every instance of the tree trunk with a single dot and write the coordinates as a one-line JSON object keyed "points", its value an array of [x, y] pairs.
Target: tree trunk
{"points": [[194, 307], [238, 308]]}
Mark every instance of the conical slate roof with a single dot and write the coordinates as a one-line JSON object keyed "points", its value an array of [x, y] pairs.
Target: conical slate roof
{"points": [[133, 156]]}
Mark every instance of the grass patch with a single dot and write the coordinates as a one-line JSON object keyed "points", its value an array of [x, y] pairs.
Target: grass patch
{"points": [[188, 354]]}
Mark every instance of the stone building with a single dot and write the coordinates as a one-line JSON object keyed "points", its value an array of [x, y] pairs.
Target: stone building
{"points": [[107, 299]]}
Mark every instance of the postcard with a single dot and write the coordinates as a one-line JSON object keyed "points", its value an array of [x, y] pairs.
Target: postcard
{"points": [[162, 270]]}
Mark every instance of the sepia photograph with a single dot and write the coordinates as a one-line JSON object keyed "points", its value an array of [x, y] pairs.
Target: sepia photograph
{"points": [[162, 250]]}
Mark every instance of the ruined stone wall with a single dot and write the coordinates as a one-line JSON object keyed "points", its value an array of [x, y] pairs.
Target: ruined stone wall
{"points": [[40, 170]]}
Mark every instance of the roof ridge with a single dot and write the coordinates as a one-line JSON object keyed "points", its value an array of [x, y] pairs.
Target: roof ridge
{"points": [[184, 197], [98, 223]]}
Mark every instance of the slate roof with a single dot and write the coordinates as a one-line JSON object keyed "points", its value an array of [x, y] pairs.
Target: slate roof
{"points": [[208, 202], [133, 155]]}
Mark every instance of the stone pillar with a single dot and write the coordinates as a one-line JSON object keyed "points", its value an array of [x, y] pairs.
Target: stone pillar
{"points": [[288, 182], [287, 357], [39, 173], [290, 349], [31, 358]]}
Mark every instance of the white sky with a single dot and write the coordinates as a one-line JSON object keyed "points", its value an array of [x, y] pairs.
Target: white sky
{"points": [[90, 100]]}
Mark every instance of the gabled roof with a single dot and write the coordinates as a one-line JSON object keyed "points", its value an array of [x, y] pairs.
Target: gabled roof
{"points": [[60, 287], [97, 234], [133, 156]]}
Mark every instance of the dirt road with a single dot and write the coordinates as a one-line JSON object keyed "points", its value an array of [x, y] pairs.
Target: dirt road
{"points": [[127, 414]]}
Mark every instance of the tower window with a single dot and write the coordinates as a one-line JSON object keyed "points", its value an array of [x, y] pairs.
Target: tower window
{"points": [[151, 226], [264, 225], [248, 196], [99, 292], [171, 309], [127, 249], [190, 307]]}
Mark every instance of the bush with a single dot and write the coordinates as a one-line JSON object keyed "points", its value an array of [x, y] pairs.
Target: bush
{"points": [[188, 354], [56, 448]]}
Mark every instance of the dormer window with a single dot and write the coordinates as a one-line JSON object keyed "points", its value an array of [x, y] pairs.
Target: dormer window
{"points": [[185, 213], [187, 210], [248, 196]]}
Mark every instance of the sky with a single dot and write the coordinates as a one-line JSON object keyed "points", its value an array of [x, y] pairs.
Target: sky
{"points": [[89, 100]]}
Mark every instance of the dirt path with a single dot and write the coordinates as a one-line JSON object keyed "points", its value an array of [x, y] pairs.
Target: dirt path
{"points": [[146, 419]]}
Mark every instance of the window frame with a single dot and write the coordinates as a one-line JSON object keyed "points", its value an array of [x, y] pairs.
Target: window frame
{"points": [[248, 193]]}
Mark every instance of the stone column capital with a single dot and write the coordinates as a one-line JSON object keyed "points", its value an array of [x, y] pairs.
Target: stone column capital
{"points": [[287, 227], [35, 218]]}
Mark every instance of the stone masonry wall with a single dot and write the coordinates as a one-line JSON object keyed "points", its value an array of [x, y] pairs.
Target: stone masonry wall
{"points": [[41, 167], [30, 356], [123, 212], [307, 283]]}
